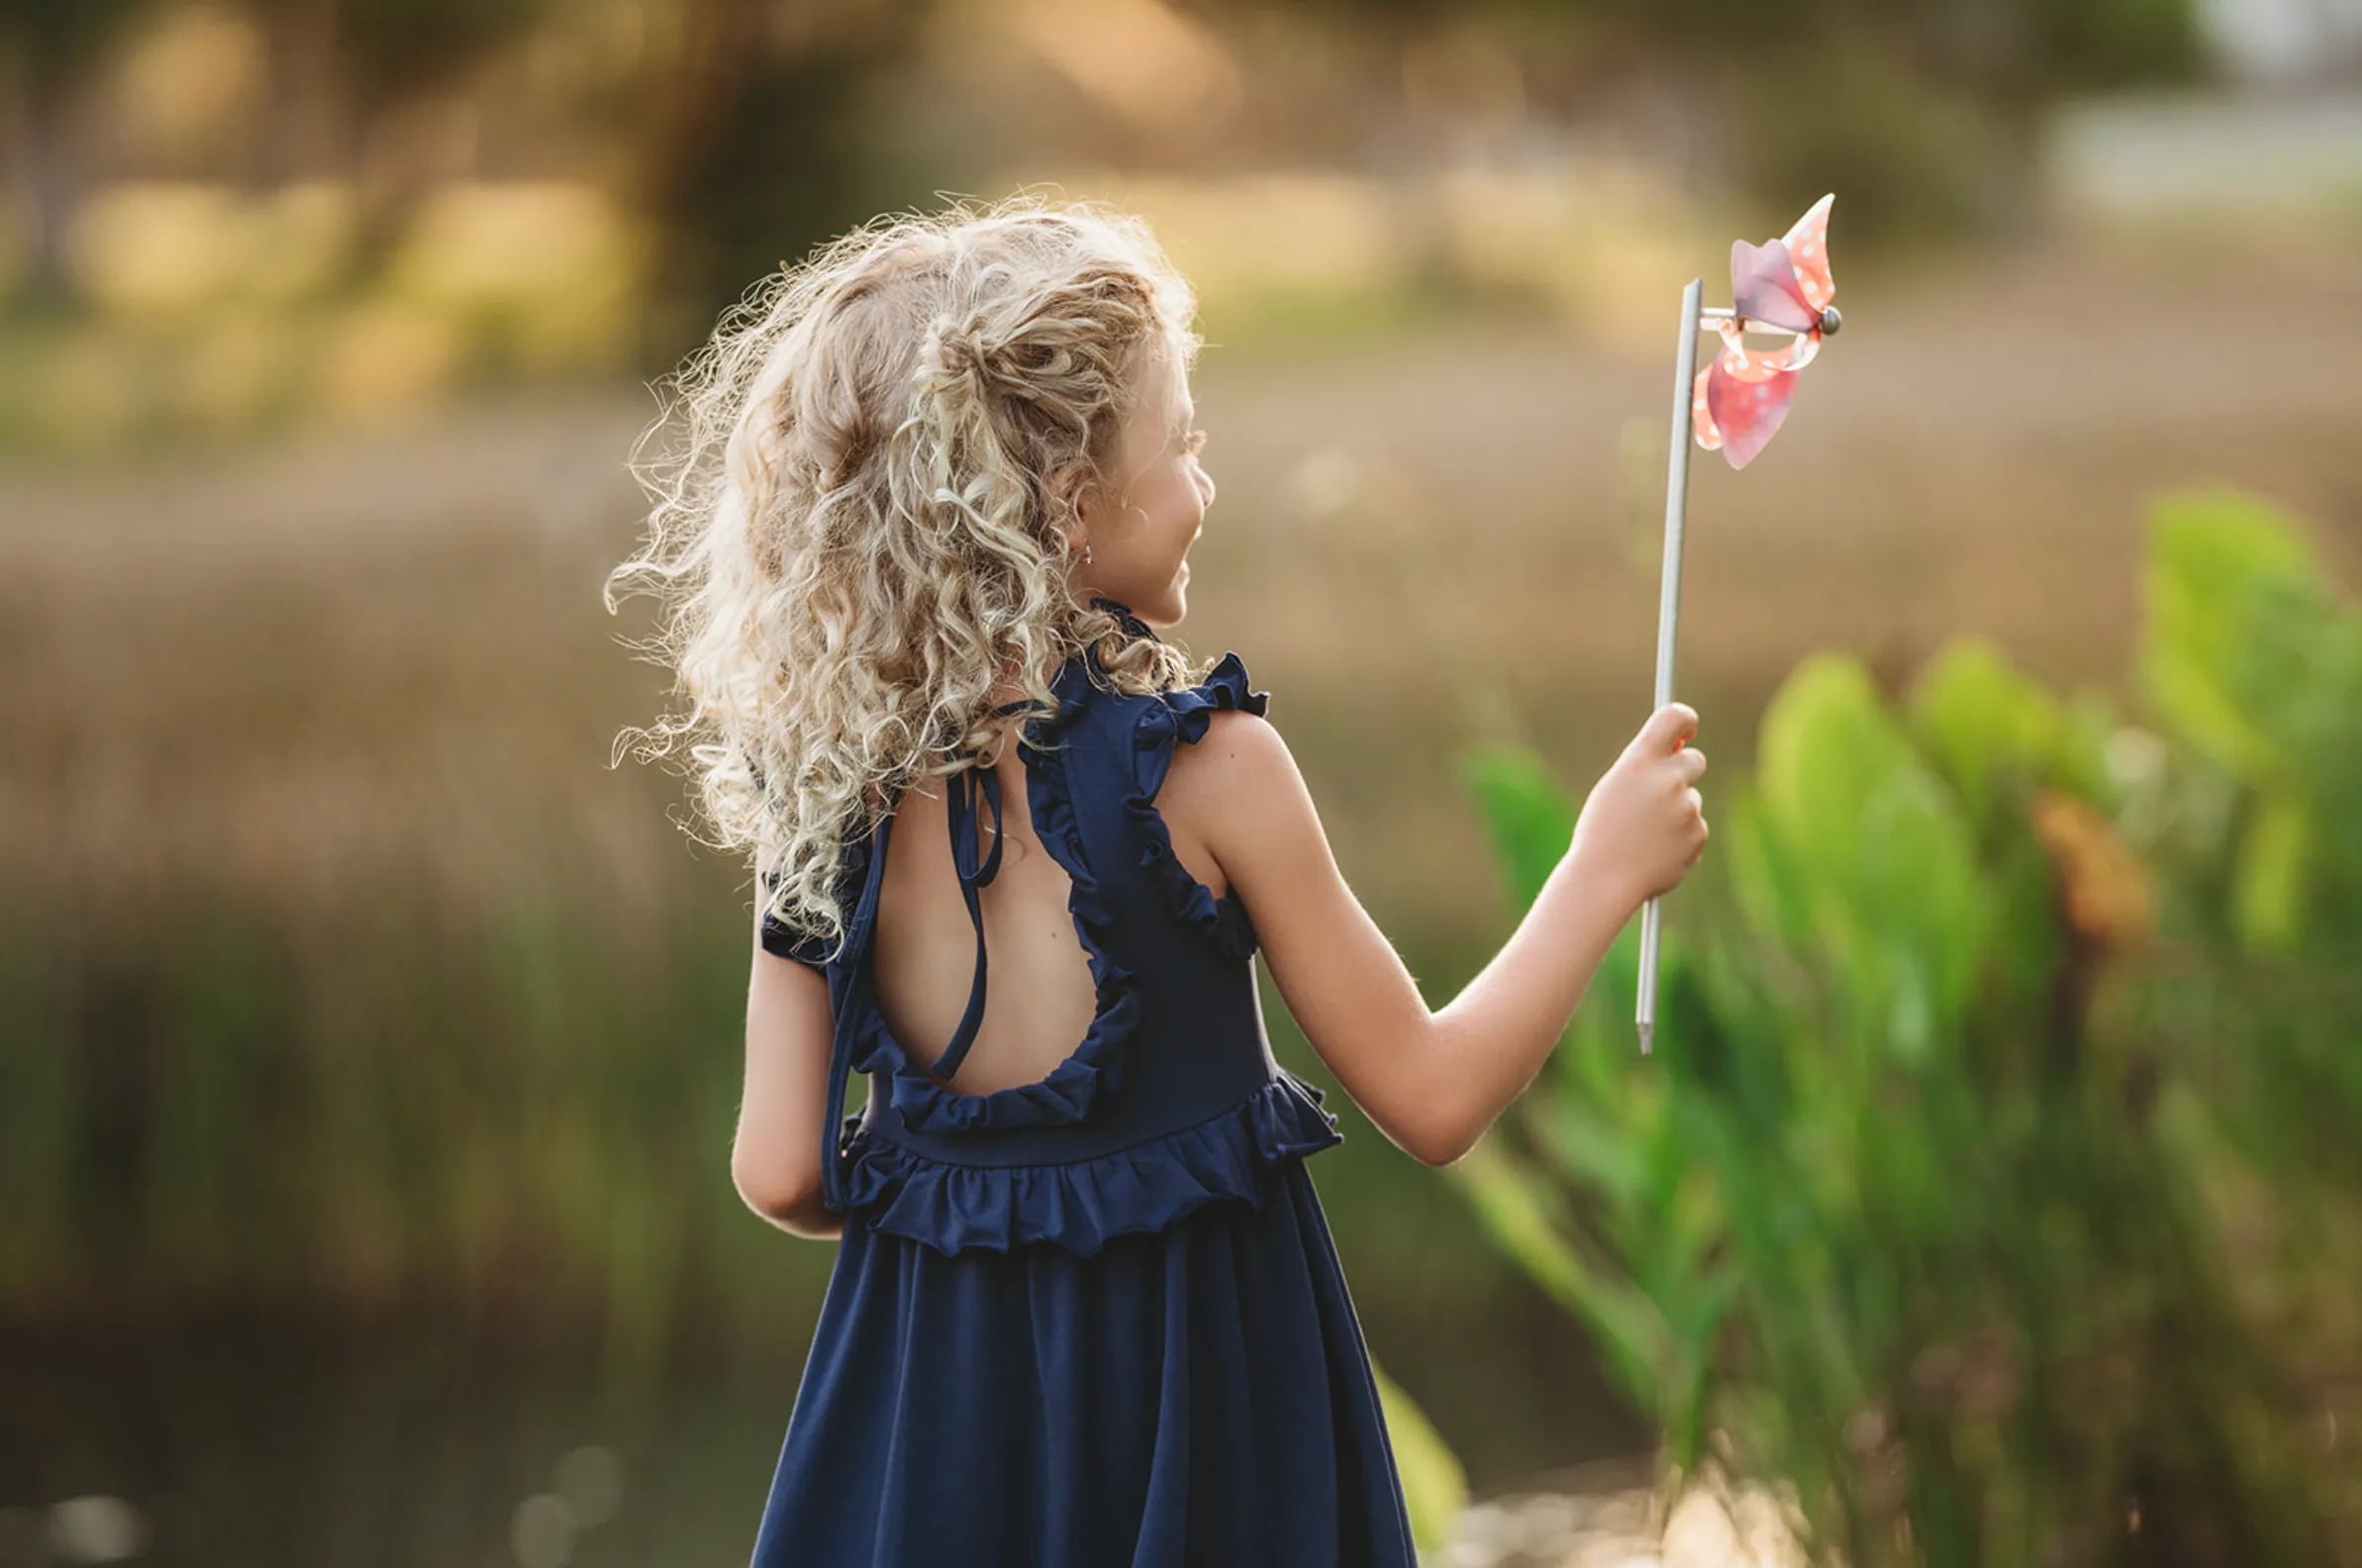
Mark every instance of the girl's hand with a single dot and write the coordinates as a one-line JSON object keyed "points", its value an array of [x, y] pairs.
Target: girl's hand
{"points": [[1644, 823]]}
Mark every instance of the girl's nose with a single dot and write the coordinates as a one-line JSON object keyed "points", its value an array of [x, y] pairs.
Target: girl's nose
{"points": [[1206, 486]]}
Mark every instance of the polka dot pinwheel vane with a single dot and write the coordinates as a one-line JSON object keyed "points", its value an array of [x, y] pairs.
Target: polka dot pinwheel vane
{"points": [[1735, 406], [1784, 286]]}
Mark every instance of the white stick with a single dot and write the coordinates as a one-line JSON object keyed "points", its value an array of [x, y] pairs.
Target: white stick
{"points": [[1677, 500]]}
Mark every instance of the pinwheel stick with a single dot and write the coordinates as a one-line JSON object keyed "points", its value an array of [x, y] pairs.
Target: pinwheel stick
{"points": [[1677, 500]]}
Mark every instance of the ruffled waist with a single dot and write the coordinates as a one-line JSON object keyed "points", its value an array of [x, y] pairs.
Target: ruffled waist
{"points": [[1081, 1204]]}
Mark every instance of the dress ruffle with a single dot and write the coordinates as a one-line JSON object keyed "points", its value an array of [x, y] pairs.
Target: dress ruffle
{"points": [[1082, 1204], [1064, 1096], [1172, 718]]}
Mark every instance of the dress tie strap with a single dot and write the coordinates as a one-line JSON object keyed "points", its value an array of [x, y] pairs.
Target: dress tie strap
{"points": [[975, 870]]}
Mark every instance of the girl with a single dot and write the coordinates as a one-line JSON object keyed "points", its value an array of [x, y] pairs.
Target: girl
{"points": [[940, 487]]}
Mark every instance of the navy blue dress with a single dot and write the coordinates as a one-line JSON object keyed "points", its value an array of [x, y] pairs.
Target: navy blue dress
{"points": [[1096, 1321]]}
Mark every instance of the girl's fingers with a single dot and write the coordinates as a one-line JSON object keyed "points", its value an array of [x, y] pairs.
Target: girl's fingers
{"points": [[1692, 764], [1668, 728]]}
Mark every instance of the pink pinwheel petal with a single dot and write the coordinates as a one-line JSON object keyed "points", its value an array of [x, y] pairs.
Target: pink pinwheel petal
{"points": [[1735, 361], [1702, 419], [1808, 250], [1746, 408], [1764, 287]]}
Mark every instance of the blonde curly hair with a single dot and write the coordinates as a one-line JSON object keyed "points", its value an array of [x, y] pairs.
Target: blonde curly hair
{"points": [[870, 514]]}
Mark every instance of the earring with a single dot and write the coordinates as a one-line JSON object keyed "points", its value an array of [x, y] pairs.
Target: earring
{"points": [[1086, 552]]}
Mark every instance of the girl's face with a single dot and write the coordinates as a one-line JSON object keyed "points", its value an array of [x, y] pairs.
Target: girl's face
{"points": [[1140, 534]]}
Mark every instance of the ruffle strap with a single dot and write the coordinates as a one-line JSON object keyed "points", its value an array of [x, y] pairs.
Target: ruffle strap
{"points": [[1082, 1204], [1172, 718]]}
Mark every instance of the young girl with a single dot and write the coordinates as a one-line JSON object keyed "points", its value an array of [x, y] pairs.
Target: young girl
{"points": [[940, 487]]}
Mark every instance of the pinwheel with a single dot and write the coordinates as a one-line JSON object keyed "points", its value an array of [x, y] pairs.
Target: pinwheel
{"points": [[1784, 286], [1735, 405]]}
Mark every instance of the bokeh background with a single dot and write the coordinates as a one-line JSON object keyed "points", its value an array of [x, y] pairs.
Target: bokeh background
{"points": [[369, 1042]]}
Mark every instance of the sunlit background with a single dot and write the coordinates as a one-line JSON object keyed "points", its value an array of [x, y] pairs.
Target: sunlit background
{"points": [[369, 1045]]}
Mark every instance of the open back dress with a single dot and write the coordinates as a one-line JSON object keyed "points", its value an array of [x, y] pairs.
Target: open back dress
{"points": [[1095, 1320]]}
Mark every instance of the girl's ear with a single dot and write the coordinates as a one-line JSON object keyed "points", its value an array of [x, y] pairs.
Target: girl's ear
{"points": [[1076, 502]]}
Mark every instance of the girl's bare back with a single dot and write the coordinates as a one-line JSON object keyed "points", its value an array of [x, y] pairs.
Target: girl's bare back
{"points": [[1040, 999]]}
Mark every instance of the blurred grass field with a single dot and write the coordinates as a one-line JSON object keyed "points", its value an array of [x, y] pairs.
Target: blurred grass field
{"points": [[300, 670]]}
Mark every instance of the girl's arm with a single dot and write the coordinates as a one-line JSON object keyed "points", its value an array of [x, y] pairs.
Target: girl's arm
{"points": [[1434, 1082], [775, 1159]]}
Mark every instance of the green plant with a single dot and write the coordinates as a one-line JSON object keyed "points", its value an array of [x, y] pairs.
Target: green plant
{"points": [[1434, 1486], [1924, 1203]]}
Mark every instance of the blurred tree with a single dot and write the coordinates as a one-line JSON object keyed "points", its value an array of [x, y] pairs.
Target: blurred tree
{"points": [[2005, 47], [380, 56], [1926, 113], [393, 50], [48, 49], [759, 138]]}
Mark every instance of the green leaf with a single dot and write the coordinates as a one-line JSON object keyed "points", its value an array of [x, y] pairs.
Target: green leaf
{"points": [[1434, 1485], [1525, 813], [1766, 879], [2268, 900], [1877, 850], [1991, 733], [1588, 1147], [2230, 583], [1524, 1215], [1826, 747]]}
